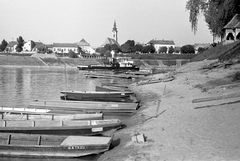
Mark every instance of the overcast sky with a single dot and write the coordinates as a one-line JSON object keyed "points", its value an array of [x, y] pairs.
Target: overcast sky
{"points": [[69, 21]]}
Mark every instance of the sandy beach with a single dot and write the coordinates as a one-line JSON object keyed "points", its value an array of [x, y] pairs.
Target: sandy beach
{"points": [[181, 129]]}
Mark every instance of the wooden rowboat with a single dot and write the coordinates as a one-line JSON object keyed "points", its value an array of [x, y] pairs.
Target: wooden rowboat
{"points": [[109, 88], [43, 111], [115, 85], [12, 116], [97, 94], [105, 107], [99, 99], [82, 127], [25, 145]]}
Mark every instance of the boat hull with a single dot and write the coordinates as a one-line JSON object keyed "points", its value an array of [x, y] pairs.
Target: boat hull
{"points": [[24, 145], [97, 94], [103, 99], [58, 127], [105, 67]]}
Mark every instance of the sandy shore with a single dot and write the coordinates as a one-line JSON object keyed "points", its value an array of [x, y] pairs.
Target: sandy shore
{"points": [[181, 132]]}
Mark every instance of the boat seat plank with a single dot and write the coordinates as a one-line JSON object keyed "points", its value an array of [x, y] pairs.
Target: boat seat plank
{"points": [[80, 140]]}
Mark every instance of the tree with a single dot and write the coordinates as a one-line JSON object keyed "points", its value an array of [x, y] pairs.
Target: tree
{"points": [[149, 49], [20, 43], [170, 50], [115, 48], [42, 49], [3, 45], [201, 49], [217, 13], [107, 47], [131, 43], [101, 50], [137, 48], [187, 49], [162, 49], [125, 48]]}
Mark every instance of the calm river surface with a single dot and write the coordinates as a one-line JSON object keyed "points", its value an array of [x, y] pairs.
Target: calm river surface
{"points": [[20, 86]]}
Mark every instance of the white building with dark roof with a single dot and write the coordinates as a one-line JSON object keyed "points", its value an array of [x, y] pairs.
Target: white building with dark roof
{"points": [[231, 31], [64, 47], [161, 43], [85, 46], [11, 47]]}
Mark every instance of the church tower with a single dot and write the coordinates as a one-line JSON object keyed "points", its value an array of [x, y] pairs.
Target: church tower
{"points": [[115, 32]]}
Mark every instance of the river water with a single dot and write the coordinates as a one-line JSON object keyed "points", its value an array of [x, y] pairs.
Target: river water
{"points": [[20, 86]]}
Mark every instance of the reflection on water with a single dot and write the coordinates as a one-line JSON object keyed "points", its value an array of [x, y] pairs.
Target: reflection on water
{"points": [[20, 86]]}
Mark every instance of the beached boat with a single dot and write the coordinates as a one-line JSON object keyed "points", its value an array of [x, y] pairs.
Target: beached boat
{"points": [[25, 145], [110, 76], [103, 107], [109, 88], [112, 96], [19, 116], [44, 111], [115, 85], [96, 94], [99, 99], [82, 127]]}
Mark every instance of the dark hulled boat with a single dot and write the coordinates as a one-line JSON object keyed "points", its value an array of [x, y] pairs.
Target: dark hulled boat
{"points": [[25, 145], [83, 127]]}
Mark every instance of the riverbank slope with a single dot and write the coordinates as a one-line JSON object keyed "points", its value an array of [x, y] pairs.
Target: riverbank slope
{"points": [[183, 130]]}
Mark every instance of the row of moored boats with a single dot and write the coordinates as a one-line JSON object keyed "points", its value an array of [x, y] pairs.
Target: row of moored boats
{"points": [[72, 127]]}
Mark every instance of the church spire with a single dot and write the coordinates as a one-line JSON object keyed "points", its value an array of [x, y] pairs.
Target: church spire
{"points": [[114, 32]]}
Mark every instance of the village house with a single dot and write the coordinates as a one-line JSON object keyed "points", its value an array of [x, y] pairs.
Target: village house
{"points": [[231, 31], [85, 46], [64, 47], [11, 47], [161, 43], [67, 47]]}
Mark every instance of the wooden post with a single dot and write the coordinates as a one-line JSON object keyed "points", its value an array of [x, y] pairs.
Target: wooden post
{"points": [[39, 140], [158, 106], [33, 124], [9, 139]]}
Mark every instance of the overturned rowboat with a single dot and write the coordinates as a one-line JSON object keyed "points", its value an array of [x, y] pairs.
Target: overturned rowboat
{"points": [[25, 145]]}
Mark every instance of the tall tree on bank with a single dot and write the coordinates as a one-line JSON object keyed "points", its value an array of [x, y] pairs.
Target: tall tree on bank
{"points": [[217, 13], [20, 43], [3, 45]]}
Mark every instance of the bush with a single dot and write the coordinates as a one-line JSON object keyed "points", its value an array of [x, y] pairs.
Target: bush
{"points": [[187, 49]]}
